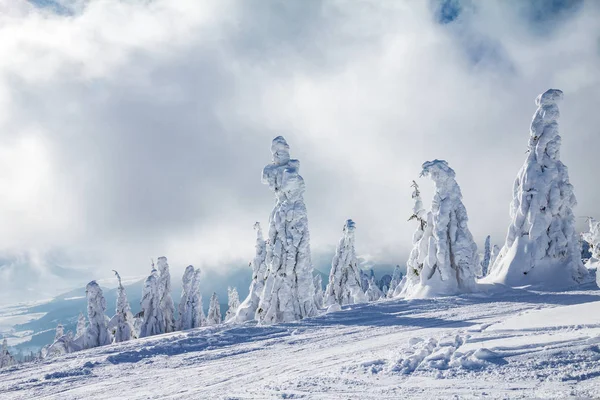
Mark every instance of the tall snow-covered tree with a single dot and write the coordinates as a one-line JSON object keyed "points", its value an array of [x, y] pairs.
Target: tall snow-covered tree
{"points": [[247, 310], [6, 359], [97, 333], [487, 255], [344, 277], [214, 311], [233, 301], [319, 295], [592, 237], [420, 241], [186, 306], [166, 314], [450, 263], [150, 306], [80, 326], [122, 323], [396, 279], [373, 292], [541, 245], [288, 294], [198, 317]]}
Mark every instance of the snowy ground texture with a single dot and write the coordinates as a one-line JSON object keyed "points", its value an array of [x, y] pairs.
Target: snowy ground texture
{"points": [[510, 344]]}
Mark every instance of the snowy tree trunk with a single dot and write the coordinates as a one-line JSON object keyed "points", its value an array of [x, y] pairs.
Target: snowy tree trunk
{"points": [[97, 331], [344, 286], [124, 327], [150, 306], [288, 294], [233, 302], [541, 245], [166, 316], [247, 310], [214, 311]]}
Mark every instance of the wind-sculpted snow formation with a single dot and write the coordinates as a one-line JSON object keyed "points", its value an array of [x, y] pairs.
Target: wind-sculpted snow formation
{"points": [[247, 310], [191, 314], [288, 294], [214, 311], [541, 245], [444, 257], [344, 277]]}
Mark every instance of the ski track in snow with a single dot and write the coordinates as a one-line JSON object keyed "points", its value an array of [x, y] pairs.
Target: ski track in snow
{"points": [[509, 345]]}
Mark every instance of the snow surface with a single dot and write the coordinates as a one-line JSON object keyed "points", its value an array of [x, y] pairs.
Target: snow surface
{"points": [[506, 343]]}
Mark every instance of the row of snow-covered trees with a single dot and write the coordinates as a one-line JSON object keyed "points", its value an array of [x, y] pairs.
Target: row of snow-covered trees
{"points": [[541, 247]]}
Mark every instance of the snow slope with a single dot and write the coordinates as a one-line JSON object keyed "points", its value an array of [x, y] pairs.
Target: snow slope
{"points": [[503, 344]]}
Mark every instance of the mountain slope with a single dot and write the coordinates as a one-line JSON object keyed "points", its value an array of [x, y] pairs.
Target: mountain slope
{"points": [[510, 344]]}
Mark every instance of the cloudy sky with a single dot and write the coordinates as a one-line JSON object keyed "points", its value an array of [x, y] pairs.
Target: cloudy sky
{"points": [[137, 128]]}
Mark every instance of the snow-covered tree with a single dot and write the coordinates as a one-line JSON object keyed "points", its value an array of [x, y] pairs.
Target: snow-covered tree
{"points": [[396, 279], [318, 282], [214, 311], [233, 301], [60, 331], [493, 256], [451, 259], [122, 324], [64, 344], [6, 359], [373, 292], [198, 317], [541, 245], [420, 241], [487, 255], [344, 277], [80, 326], [592, 237], [150, 306], [288, 294], [166, 313], [97, 333], [364, 280], [186, 307], [247, 310]]}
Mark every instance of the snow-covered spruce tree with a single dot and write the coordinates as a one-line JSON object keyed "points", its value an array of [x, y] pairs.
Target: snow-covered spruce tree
{"points": [[247, 310], [97, 333], [592, 237], [64, 344], [6, 359], [344, 277], [541, 245], [80, 326], [373, 292], [233, 301], [214, 311], [288, 294], [166, 314], [60, 331], [318, 282], [186, 307], [450, 262], [396, 279], [198, 317], [122, 323], [420, 241], [150, 306], [487, 255]]}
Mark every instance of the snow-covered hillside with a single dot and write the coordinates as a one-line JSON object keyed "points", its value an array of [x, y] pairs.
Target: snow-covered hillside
{"points": [[507, 343]]}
